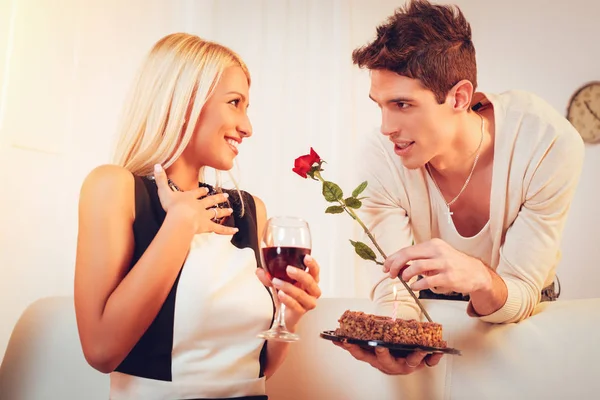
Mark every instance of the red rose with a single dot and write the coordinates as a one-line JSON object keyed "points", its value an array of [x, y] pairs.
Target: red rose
{"points": [[303, 164]]}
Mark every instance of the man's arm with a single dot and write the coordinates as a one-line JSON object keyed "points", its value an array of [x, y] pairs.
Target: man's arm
{"points": [[383, 214], [492, 297], [532, 244]]}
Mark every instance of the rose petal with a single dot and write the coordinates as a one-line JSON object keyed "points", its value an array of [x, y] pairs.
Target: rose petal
{"points": [[300, 172], [314, 156]]}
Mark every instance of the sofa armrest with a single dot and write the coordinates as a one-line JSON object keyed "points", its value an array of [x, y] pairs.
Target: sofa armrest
{"points": [[44, 359]]}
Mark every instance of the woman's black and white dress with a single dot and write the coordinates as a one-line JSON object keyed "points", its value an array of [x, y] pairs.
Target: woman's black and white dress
{"points": [[202, 344]]}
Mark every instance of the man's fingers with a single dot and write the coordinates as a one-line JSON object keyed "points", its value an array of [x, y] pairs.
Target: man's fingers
{"points": [[397, 261], [403, 366], [385, 359], [414, 359], [419, 267], [360, 354], [433, 359], [394, 262], [429, 282]]}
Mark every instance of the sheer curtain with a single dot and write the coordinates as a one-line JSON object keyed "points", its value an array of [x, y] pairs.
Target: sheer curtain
{"points": [[66, 67]]}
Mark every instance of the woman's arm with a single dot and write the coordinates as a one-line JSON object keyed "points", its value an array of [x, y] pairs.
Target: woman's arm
{"points": [[114, 308]]}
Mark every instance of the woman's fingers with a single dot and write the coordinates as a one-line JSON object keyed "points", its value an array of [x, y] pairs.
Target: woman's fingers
{"points": [[218, 213], [198, 192], [313, 267], [305, 279], [221, 229], [162, 184], [292, 303], [211, 201], [299, 295], [263, 276]]}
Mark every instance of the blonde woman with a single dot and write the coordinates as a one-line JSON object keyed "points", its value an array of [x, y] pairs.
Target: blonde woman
{"points": [[166, 290]]}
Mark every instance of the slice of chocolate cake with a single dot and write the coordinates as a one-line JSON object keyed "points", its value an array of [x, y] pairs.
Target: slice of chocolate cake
{"points": [[359, 325]]}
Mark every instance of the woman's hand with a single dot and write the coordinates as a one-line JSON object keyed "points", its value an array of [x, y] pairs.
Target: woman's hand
{"points": [[299, 297], [185, 205]]}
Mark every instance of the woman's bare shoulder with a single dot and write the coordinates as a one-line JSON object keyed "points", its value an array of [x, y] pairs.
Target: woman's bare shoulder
{"points": [[108, 186]]}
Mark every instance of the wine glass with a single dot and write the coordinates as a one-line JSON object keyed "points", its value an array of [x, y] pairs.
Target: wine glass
{"points": [[285, 241]]}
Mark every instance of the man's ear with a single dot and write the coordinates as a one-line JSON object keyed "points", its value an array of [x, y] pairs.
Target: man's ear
{"points": [[460, 96]]}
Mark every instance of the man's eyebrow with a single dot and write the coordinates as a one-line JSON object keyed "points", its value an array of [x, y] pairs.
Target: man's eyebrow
{"points": [[394, 100], [400, 100]]}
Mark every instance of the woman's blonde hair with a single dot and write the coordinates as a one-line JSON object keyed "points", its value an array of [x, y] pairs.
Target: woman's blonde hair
{"points": [[175, 81]]}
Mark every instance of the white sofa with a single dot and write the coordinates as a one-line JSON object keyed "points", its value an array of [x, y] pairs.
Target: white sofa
{"points": [[552, 355]]}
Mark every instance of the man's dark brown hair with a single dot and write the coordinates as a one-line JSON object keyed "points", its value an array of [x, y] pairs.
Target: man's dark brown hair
{"points": [[431, 43]]}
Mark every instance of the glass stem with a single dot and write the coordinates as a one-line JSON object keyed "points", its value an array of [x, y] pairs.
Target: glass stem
{"points": [[280, 317]]}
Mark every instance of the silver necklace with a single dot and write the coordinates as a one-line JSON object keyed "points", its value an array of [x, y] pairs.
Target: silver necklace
{"points": [[211, 191], [175, 188], [449, 203]]}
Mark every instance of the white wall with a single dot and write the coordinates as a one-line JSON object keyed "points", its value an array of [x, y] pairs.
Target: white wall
{"points": [[65, 68], [550, 48]]}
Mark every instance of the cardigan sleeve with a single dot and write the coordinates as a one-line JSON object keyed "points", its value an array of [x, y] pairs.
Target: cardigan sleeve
{"points": [[531, 248], [388, 221]]}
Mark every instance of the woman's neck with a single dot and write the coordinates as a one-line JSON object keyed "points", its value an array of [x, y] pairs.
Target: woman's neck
{"points": [[183, 174]]}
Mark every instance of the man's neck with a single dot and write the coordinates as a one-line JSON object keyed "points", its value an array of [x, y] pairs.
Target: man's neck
{"points": [[456, 162]]}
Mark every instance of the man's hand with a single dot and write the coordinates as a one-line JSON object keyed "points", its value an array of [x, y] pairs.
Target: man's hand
{"points": [[386, 363], [443, 268]]}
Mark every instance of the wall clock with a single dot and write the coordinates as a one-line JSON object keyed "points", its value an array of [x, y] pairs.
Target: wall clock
{"points": [[584, 112]]}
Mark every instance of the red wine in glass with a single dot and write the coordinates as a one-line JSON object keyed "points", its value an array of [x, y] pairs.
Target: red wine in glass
{"points": [[285, 241], [277, 260]]}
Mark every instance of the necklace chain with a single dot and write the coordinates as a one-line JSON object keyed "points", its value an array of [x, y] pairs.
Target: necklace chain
{"points": [[211, 191], [173, 186], [449, 203]]}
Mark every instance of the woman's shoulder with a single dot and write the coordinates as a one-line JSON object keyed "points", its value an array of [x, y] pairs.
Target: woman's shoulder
{"points": [[108, 186], [108, 176], [259, 205]]}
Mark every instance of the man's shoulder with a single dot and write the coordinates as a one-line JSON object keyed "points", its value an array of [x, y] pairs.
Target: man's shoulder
{"points": [[530, 113], [532, 127], [527, 103]]}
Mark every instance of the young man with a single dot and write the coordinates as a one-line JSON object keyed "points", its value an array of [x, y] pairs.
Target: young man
{"points": [[481, 183]]}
